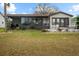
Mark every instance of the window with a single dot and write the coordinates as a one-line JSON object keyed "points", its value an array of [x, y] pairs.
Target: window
{"points": [[45, 21], [66, 22], [24, 20], [33, 20], [62, 20], [58, 20], [36, 20], [53, 20], [2, 22], [30, 19]]}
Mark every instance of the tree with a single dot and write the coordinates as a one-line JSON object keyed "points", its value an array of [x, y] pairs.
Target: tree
{"points": [[77, 23], [6, 5], [45, 9]]}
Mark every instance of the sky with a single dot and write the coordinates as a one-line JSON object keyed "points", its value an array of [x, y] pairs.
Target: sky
{"points": [[29, 8]]}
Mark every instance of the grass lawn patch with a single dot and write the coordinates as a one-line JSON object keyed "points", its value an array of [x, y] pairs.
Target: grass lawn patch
{"points": [[35, 42]]}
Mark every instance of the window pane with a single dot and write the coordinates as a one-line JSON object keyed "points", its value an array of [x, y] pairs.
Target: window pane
{"points": [[58, 20], [53, 20], [62, 20]]}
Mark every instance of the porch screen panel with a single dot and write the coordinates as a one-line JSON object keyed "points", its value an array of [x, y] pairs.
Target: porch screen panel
{"points": [[66, 24], [45, 21], [23, 20], [62, 22]]}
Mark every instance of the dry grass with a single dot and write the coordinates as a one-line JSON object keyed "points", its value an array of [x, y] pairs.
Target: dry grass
{"points": [[33, 42]]}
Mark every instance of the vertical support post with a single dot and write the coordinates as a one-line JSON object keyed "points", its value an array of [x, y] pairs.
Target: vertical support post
{"points": [[50, 21], [42, 23]]}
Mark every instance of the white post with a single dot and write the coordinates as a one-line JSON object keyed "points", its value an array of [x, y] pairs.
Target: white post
{"points": [[70, 24], [50, 22]]}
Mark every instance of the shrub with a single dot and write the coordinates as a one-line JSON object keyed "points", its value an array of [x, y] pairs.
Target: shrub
{"points": [[44, 30]]}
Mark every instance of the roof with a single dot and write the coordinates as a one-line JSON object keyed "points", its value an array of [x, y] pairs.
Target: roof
{"points": [[38, 15], [27, 15], [63, 13]]}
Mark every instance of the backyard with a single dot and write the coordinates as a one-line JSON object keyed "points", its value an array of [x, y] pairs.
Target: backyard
{"points": [[37, 43]]}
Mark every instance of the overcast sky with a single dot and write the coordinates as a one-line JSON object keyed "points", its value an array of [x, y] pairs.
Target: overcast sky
{"points": [[25, 8]]}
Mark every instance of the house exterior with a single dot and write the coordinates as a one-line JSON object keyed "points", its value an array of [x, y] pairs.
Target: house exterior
{"points": [[2, 21], [54, 22]]}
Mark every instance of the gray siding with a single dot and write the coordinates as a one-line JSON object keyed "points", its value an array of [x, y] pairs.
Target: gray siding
{"points": [[2, 21]]}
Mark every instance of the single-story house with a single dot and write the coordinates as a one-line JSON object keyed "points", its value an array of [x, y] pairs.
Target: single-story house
{"points": [[54, 22]]}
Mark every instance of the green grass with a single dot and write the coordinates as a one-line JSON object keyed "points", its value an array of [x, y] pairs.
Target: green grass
{"points": [[2, 30], [34, 42]]}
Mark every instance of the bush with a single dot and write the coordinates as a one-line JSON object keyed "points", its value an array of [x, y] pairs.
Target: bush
{"points": [[43, 30], [2, 30]]}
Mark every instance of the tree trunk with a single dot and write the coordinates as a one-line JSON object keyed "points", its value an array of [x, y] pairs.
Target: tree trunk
{"points": [[5, 16]]}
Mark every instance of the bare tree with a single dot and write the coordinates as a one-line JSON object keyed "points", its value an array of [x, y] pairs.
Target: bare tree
{"points": [[45, 8]]}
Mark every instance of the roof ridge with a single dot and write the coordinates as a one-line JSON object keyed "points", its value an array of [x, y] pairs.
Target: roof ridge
{"points": [[61, 12]]}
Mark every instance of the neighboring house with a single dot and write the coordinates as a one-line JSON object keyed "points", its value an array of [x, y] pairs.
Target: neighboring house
{"points": [[2, 21], [54, 22]]}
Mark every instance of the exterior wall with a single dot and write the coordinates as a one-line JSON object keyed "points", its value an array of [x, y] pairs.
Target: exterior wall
{"points": [[60, 15], [2, 21]]}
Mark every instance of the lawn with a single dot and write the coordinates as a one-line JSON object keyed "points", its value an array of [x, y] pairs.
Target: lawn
{"points": [[37, 43]]}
